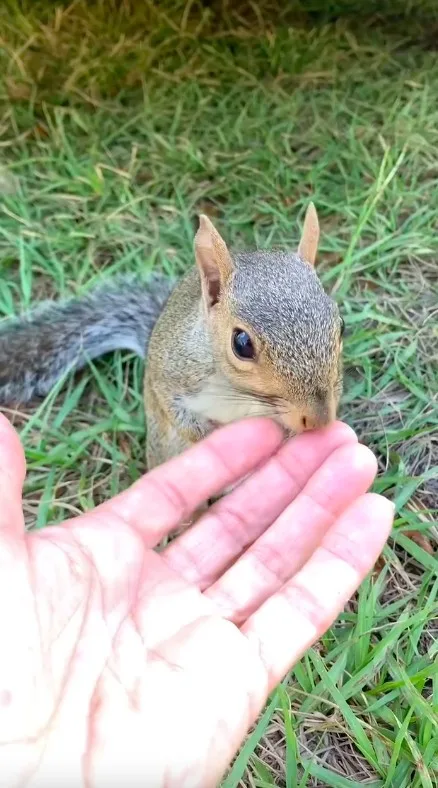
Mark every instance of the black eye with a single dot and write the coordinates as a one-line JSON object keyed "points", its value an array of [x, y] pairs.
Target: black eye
{"points": [[342, 327], [242, 344]]}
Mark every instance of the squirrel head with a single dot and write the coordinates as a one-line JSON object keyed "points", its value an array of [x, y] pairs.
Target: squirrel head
{"points": [[276, 335]]}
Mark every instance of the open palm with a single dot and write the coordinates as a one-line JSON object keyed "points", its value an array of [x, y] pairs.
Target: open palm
{"points": [[121, 664]]}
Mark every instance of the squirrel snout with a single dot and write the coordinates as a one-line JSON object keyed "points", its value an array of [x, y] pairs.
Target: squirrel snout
{"points": [[314, 421], [312, 417]]}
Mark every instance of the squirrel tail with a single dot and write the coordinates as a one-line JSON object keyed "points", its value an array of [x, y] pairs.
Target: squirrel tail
{"points": [[38, 349]]}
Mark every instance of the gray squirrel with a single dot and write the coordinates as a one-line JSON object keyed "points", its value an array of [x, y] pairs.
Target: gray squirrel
{"points": [[239, 335]]}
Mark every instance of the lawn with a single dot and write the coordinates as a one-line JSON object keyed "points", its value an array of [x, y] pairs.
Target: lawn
{"points": [[119, 122]]}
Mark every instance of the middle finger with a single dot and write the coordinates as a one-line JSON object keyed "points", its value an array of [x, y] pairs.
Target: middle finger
{"points": [[283, 549], [203, 552]]}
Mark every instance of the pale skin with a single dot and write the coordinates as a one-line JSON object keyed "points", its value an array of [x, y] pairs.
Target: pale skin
{"points": [[123, 665]]}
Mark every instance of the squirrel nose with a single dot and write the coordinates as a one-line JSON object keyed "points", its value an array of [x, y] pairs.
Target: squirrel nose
{"points": [[318, 417], [310, 417], [312, 422]]}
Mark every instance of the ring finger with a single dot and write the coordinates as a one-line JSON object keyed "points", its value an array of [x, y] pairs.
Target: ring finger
{"points": [[283, 549], [204, 552]]}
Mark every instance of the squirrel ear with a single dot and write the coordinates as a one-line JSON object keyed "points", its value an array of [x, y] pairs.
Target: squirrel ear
{"points": [[308, 245], [213, 260]]}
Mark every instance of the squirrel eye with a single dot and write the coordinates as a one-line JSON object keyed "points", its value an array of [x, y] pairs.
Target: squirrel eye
{"points": [[342, 327], [242, 345]]}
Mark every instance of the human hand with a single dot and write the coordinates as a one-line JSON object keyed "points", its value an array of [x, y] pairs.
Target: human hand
{"points": [[121, 664]]}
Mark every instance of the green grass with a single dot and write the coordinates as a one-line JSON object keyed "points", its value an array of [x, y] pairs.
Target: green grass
{"points": [[119, 122]]}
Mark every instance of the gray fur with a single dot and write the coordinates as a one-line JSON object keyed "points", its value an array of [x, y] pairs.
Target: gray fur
{"points": [[38, 349], [290, 311]]}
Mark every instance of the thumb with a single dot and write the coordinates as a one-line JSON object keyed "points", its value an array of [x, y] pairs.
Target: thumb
{"points": [[12, 474]]}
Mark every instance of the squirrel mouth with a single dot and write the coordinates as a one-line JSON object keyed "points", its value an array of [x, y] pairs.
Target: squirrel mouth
{"points": [[297, 420]]}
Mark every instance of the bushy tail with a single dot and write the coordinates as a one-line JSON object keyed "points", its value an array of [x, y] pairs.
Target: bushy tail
{"points": [[38, 349]]}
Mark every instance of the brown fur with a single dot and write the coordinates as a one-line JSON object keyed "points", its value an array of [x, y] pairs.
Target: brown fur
{"points": [[194, 381]]}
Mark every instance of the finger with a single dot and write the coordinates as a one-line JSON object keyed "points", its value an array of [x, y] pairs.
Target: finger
{"points": [[283, 549], [291, 620], [169, 494], [202, 553], [12, 473]]}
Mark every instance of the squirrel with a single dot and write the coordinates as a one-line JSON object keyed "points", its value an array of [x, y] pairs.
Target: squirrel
{"points": [[239, 335]]}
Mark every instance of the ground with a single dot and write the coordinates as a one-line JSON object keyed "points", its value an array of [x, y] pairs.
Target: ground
{"points": [[119, 122]]}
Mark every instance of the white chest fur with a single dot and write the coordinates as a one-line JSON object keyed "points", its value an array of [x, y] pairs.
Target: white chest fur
{"points": [[220, 402]]}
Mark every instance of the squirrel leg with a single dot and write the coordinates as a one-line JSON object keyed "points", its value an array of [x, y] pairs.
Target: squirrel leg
{"points": [[422, 540]]}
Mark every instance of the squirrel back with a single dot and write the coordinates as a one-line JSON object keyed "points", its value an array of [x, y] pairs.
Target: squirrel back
{"points": [[240, 335]]}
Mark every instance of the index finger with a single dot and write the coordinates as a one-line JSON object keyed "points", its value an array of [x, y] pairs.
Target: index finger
{"points": [[166, 496], [207, 549]]}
